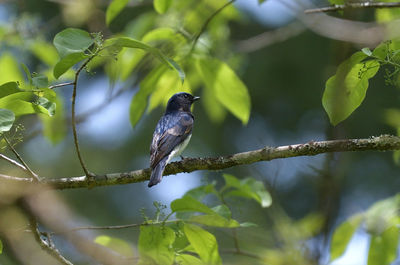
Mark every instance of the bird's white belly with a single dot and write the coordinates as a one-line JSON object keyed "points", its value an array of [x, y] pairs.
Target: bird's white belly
{"points": [[179, 149]]}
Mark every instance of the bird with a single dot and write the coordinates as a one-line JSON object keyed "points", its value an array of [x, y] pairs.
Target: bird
{"points": [[172, 134]]}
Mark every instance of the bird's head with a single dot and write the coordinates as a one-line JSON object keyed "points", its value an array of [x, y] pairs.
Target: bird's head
{"points": [[181, 102]]}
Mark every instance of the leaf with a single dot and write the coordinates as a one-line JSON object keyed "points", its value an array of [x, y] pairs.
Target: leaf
{"points": [[27, 73], [155, 245], [342, 235], [20, 103], [10, 70], [139, 100], [381, 215], [54, 128], [261, 1], [7, 119], [115, 7], [213, 220], [204, 244], [248, 188], [71, 40], [1, 247], [161, 6], [125, 42], [345, 91], [248, 224], [200, 192], [185, 259], [9, 88], [47, 104], [228, 89], [366, 51], [383, 248], [118, 245], [45, 52], [40, 81], [67, 62], [222, 210], [189, 204]]}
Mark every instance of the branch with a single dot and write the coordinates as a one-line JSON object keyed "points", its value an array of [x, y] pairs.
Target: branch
{"points": [[60, 85], [381, 143], [73, 119], [203, 28], [352, 6], [13, 162], [33, 174]]}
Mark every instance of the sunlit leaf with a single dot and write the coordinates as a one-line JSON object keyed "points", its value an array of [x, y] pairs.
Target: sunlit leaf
{"points": [[9, 69], [366, 51], [45, 52], [72, 41], [115, 7], [161, 6], [116, 244], [215, 111], [7, 119], [40, 81], [9, 88], [189, 204], [125, 42], [185, 259], [345, 91], [139, 100], [54, 128], [204, 244], [227, 87], [342, 235], [384, 15], [159, 34], [381, 215], [67, 62], [155, 245], [383, 248], [213, 220], [21, 104], [200, 192]]}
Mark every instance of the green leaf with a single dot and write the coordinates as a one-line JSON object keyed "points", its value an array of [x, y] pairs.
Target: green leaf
{"points": [[345, 91], [382, 215], [1, 247], [45, 52], [27, 73], [139, 100], [248, 224], [54, 128], [159, 34], [213, 220], [383, 248], [200, 192], [342, 235], [71, 40], [8, 89], [223, 210], [185, 259], [261, 1], [204, 244], [45, 103], [67, 62], [189, 204], [248, 188], [7, 119], [125, 42], [115, 7], [366, 51], [227, 87], [118, 245], [155, 245], [40, 81], [20, 103], [10, 70], [161, 6]]}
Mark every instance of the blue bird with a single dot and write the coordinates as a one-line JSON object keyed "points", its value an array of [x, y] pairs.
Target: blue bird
{"points": [[172, 134]]}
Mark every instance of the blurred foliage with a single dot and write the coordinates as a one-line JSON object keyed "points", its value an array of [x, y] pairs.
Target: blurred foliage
{"points": [[160, 47]]}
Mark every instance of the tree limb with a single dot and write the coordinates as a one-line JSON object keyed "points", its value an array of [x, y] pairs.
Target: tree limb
{"points": [[355, 5], [380, 143]]}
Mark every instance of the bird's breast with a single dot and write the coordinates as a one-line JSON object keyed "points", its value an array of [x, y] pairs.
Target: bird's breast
{"points": [[179, 148]]}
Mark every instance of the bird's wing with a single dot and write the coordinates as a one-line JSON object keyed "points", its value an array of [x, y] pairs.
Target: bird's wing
{"points": [[171, 130]]}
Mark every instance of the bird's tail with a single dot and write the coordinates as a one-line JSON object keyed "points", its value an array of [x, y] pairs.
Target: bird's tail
{"points": [[157, 172]]}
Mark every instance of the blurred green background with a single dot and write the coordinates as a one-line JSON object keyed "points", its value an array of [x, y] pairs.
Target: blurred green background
{"points": [[285, 80]]}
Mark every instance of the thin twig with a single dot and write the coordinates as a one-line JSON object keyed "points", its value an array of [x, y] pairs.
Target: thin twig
{"points": [[33, 174], [62, 84], [73, 119], [48, 247], [13, 162], [380, 143], [203, 28], [353, 6]]}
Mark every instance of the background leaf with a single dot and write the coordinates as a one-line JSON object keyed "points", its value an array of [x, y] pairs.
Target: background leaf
{"points": [[383, 248], [345, 91], [155, 245], [227, 87], [55, 128], [204, 243], [118, 245], [161, 6], [7, 119], [114, 8]]}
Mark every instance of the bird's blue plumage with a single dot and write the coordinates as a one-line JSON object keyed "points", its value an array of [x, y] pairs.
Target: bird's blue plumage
{"points": [[171, 135]]}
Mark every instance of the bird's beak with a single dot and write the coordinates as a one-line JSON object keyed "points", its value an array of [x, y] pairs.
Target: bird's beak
{"points": [[195, 98]]}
